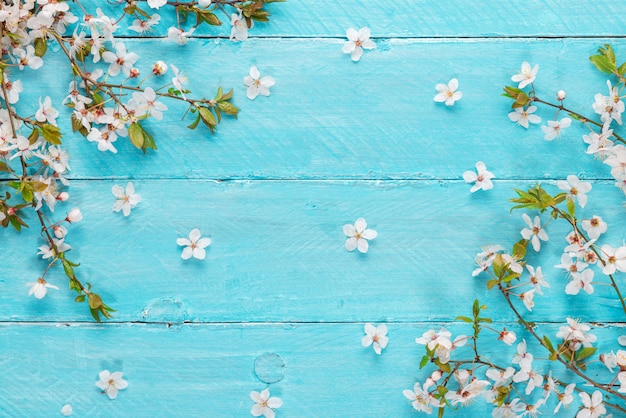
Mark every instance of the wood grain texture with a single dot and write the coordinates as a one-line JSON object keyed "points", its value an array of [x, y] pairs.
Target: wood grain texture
{"points": [[207, 370], [328, 117], [335, 141], [278, 252]]}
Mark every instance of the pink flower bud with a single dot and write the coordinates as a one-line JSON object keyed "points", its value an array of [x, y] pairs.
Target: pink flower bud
{"points": [[561, 95], [74, 216], [507, 337], [59, 231], [159, 68], [134, 73], [63, 196]]}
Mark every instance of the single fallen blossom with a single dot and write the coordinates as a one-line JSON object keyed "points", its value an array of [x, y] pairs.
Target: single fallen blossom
{"points": [[194, 246], [481, 179], [357, 41], [526, 75], [376, 336], [257, 84], [111, 383], [40, 288], [358, 235], [125, 200], [264, 404], [447, 93]]}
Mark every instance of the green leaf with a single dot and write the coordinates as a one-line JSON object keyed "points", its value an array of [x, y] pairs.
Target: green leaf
{"points": [[41, 46], [135, 132], [207, 116], [585, 353], [226, 96], [622, 69], [603, 64], [608, 52], [148, 141], [228, 108], [4, 167], [519, 249], [571, 207], [79, 298], [464, 319], [194, 125], [491, 283], [95, 302], [424, 362], [51, 133], [484, 320], [208, 17]]}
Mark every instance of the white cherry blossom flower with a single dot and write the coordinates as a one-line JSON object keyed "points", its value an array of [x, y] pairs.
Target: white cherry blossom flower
{"points": [[565, 398], [466, 394], [13, 88], [125, 200], [142, 26], [575, 188], [358, 235], [27, 58], [611, 107], [593, 406], [111, 383], [257, 84], [264, 404], [145, 103], [421, 399], [600, 145], [481, 179], [523, 116], [74, 216], [594, 227], [528, 299], [500, 377], [448, 94], [40, 288], [576, 334], [536, 278], [507, 337], [194, 246], [155, 4], [178, 35], [179, 80], [239, 29], [534, 232], [554, 128], [376, 336], [357, 41], [526, 75], [103, 138], [614, 259], [580, 281], [121, 60], [46, 113], [523, 357], [159, 68], [432, 339]]}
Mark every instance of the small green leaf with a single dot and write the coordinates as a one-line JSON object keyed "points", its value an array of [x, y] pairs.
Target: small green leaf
{"points": [[585, 352], [95, 302], [519, 249], [135, 132], [148, 141], [571, 207], [491, 283], [228, 108], [226, 96], [424, 362], [4, 167], [622, 69], [464, 319], [41, 46], [195, 123], [51, 133], [603, 64], [80, 298]]}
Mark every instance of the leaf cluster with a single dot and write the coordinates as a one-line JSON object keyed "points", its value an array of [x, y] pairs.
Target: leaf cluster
{"points": [[210, 111], [606, 61]]}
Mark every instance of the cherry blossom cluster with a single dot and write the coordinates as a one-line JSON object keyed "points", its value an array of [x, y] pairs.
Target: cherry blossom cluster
{"points": [[111, 95], [602, 141]]}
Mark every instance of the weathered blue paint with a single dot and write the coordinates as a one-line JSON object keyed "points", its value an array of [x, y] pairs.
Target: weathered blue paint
{"points": [[278, 300]]}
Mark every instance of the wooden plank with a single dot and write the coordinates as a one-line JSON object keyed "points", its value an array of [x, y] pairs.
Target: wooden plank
{"points": [[195, 370], [328, 117], [278, 252], [412, 18]]}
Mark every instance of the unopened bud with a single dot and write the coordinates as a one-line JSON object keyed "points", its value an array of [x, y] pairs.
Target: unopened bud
{"points": [[134, 73], [74, 216], [63, 196], [561, 95], [59, 231]]}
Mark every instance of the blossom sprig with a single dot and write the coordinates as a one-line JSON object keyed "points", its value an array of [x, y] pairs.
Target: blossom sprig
{"points": [[109, 98], [603, 140]]}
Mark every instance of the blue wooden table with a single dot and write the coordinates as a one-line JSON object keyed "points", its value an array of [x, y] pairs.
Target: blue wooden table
{"points": [[278, 302]]}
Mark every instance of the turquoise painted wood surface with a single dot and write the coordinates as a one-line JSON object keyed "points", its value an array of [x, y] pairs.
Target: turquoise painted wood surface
{"points": [[334, 141]]}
